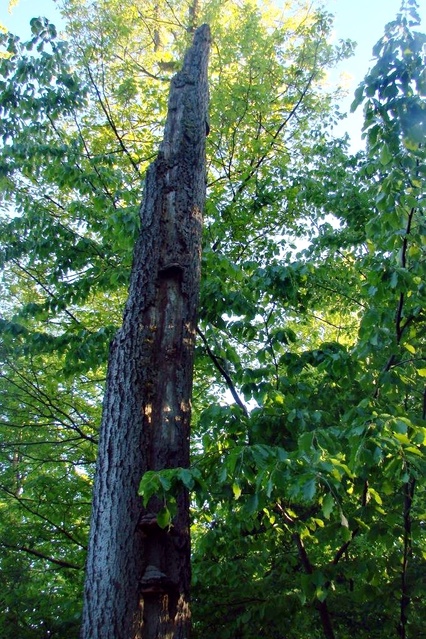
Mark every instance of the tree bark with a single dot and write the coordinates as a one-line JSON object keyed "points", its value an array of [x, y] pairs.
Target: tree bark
{"points": [[138, 575]]}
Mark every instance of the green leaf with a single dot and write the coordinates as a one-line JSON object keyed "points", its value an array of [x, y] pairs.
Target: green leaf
{"points": [[164, 517], [186, 476], [385, 155], [328, 504], [309, 489], [236, 489], [306, 442], [358, 98]]}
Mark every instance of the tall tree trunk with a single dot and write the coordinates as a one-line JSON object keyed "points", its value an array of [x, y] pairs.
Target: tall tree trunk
{"points": [[138, 575]]}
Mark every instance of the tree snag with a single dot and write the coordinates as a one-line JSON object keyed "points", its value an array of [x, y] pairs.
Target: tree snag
{"points": [[138, 575]]}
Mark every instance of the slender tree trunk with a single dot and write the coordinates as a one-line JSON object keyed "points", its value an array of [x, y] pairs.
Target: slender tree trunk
{"points": [[138, 576], [321, 606], [405, 599]]}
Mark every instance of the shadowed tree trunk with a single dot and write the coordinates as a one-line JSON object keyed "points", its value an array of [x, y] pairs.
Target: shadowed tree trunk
{"points": [[138, 575]]}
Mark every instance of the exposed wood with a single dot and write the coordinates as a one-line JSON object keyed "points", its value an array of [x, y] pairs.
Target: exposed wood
{"points": [[138, 576]]}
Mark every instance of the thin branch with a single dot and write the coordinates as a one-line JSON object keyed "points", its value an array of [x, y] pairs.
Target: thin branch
{"points": [[400, 327], [44, 288], [339, 554], [223, 372], [42, 517], [112, 123], [141, 68], [53, 410], [405, 600], [40, 555], [320, 605], [256, 165], [271, 348], [348, 297], [93, 164]]}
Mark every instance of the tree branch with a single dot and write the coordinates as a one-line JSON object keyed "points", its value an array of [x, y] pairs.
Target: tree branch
{"points": [[223, 372], [405, 600], [42, 517], [40, 555], [112, 123], [320, 605]]}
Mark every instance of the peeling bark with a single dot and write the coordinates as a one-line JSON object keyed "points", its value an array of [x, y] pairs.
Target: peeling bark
{"points": [[138, 576]]}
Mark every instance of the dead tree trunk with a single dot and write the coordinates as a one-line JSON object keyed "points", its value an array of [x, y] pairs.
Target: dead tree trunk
{"points": [[138, 576]]}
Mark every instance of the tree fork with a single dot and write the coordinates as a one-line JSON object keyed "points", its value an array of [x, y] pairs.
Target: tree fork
{"points": [[138, 575]]}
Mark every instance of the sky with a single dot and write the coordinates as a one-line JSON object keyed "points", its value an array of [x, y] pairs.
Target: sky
{"points": [[360, 20]]}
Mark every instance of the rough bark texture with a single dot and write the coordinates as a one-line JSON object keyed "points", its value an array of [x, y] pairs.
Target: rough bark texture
{"points": [[138, 576]]}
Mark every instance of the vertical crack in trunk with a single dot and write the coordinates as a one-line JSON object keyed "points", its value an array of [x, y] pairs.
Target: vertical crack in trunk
{"points": [[138, 576]]}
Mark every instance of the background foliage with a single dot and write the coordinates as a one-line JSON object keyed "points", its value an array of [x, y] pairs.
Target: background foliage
{"points": [[309, 395]]}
